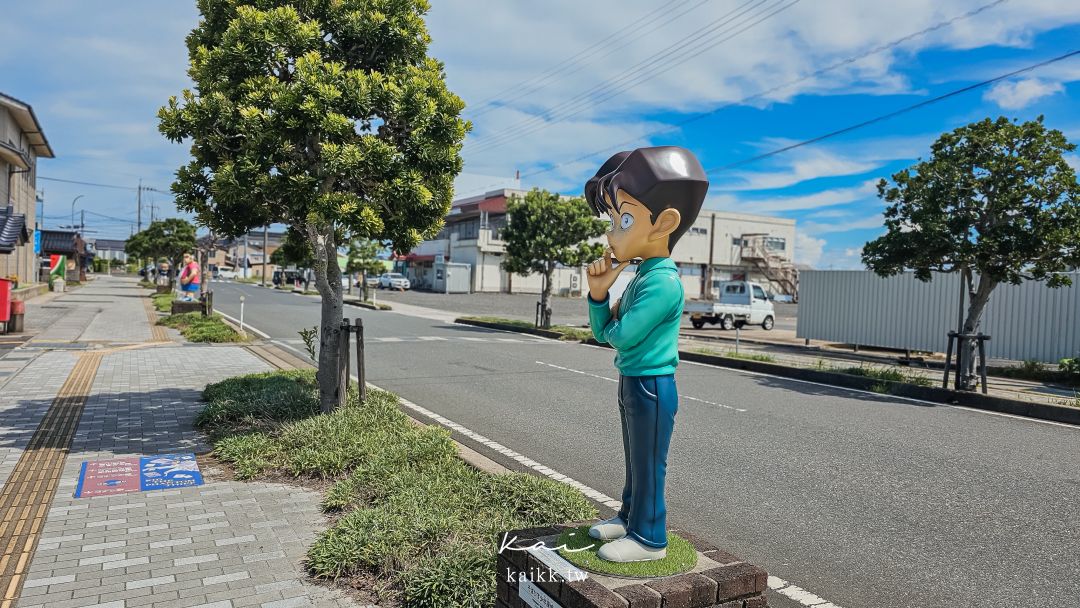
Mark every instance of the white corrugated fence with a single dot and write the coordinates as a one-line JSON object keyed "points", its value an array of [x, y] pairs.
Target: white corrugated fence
{"points": [[1026, 321]]}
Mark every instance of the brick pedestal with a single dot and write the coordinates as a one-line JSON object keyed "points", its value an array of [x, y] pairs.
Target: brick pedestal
{"points": [[538, 578]]}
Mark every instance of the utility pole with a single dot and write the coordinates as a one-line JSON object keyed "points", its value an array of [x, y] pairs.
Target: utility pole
{"points": [[138, 199], [245, 255], [82, 221], [266, 235], [709, 272]]}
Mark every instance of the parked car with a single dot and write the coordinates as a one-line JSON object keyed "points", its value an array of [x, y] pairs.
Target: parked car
{"points": [[741, 303], [393, 280], [226, 273], [783, 298], [370, 280]]}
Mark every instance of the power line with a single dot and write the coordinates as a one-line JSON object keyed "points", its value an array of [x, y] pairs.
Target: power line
{"points": [[72, 181], [649, 66], [847, 61], [489, 104], [893, 114], [704, 38], [96, 185]]}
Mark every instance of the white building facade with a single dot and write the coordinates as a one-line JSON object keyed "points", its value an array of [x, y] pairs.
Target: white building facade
{"points": [[739, 246]]}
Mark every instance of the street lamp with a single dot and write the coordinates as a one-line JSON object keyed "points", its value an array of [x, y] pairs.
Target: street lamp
{"points": [[73, 210]]}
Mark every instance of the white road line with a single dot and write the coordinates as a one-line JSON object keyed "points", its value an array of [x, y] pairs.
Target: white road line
{"points": [[681, 396], [246, 326], [776, 584], [798, 594]]}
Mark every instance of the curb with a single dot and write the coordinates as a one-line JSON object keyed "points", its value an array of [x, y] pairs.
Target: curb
{"points": [[362, 304], [1029, 409], [505, 327]]}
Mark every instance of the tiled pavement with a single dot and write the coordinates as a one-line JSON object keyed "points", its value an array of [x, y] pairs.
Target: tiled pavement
{"points": [[223, 544]]}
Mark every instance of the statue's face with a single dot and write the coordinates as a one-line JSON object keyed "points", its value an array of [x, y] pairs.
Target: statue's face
{"points": [[632, 233], [629, 226]]}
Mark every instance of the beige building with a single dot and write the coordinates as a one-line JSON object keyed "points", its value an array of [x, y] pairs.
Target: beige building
{"points": [[22, 142], [739, 246]]}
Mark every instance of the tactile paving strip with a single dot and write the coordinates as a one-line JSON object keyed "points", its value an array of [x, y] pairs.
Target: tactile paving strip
{"points": [[157, 331]]}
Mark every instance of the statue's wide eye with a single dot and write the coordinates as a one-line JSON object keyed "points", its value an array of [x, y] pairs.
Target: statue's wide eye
{"points": [[626, 221]]}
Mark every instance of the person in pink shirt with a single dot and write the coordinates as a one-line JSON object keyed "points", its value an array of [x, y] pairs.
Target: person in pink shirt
{"points": [[190, 278]]}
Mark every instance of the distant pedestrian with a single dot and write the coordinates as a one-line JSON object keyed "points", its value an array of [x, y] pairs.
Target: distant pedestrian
{"points": [[190, 279]]}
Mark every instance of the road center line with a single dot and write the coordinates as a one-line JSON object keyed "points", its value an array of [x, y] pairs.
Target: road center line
{"points": [[681, 396]]}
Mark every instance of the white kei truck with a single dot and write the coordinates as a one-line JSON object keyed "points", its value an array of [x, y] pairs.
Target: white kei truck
{"points": [[741, 303]]}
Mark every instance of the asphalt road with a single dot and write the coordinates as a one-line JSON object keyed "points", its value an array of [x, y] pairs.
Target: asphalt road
{"points": [[564, 310], [862, 499]]}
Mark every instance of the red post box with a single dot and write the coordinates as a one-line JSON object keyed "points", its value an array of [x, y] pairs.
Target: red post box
{"points": [[5, 300]]}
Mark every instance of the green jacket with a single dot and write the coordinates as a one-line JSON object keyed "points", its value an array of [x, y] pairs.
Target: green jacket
{"points": [[646, 334]]}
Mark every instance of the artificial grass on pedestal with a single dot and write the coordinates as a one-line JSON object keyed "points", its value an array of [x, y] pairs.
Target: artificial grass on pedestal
{"points": [[681, 556]]}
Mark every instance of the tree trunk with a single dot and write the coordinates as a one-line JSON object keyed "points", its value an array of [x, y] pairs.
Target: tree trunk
{"points": [[978, 298], [545, 299], [328, 283]]}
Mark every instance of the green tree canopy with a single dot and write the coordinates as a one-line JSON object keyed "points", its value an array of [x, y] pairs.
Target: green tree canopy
{"points": [[997, 199], [363, 257], [169, 239], [324, 115], [545, 229], [295, 250]]}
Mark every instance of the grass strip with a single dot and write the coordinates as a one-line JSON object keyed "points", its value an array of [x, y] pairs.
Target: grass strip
{"points": [[409, 512], [197, 328], [581, 549], [574, 334], [163, 301]]}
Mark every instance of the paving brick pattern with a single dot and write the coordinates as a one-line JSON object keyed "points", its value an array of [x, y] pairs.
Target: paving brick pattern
{"points": [[225, 543], [29, 489], [24, 400]]}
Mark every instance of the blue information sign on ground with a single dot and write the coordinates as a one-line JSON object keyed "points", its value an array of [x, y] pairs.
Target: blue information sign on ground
{"points": [[168, 471], [135, 474]]}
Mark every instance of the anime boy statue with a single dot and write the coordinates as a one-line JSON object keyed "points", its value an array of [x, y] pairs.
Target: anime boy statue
{"points": [[652, 196]]}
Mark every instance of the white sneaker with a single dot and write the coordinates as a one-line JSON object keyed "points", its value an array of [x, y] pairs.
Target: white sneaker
{"points": [[609, 529], [629, 550]]}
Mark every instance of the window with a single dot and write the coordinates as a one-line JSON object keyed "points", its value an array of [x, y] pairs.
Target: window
{"points": [[759, 293], [735, 288], [468, 229], [775, 243], [738, 242], [697, 230], [690, 271]]}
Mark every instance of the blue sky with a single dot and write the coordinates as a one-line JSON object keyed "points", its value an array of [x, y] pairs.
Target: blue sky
{"points": [[625, 73]]}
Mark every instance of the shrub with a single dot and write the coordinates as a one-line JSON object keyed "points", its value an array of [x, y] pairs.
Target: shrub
{"points": [[197, 328], [1070, 366], [412, 512]]}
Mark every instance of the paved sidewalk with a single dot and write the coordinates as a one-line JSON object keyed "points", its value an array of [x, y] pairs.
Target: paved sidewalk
{"points": [[223, 544]]}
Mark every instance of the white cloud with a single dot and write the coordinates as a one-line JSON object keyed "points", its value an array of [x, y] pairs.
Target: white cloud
{"points": [[532, 37], [817, 200], [808, 250], [1074, 161], [864, 223], [1017, 94], [808, 165]]}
